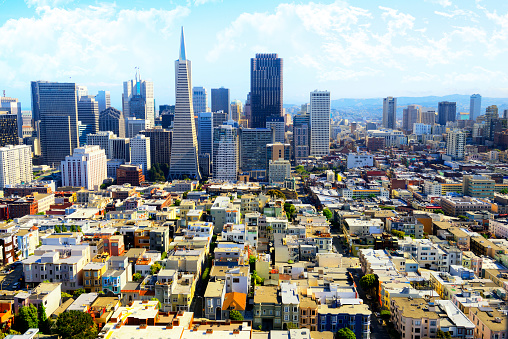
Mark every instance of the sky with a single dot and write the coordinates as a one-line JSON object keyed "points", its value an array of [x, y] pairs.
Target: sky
{"points": [[354, 49]]}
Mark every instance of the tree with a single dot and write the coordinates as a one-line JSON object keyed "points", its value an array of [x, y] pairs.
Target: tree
{"points": [[504, 191], [328, 214], [65, 295], [290, 210], [368, 281], [177, 202], [57, 229], [385, 314], [44, 322], [206, 274], [64, 228], [276, 194], [155, 268], [76, 324], [137, 277], [252, 262], [439, 211], [443, 335], [164, 255], [235, 315], [345, 333], [78, 292], [399, 234], [256, 279], [26, 318], [9, 332], [158, 302], [184, 195], [290, 326]]}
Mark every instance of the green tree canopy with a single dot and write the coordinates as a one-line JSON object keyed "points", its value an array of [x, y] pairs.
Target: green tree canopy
{"points": [[155, 268], [44, 322], [26, 318], [256, 279], [368, 281], [177, 202], [276, 194], [76, 324], [78, 292], [328, 214], [345, 333], [235, 315], [137, 277], [385, 314]]}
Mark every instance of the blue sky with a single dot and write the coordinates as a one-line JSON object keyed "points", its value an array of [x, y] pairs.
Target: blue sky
{"points": [[355, 49]]}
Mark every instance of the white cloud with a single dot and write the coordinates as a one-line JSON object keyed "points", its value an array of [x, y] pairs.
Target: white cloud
{"points": [[46, 3], [202, 2], [89, 44], [444, 3]]}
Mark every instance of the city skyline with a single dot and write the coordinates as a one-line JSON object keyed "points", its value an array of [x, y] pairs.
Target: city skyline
{"points": [[352, 50]]}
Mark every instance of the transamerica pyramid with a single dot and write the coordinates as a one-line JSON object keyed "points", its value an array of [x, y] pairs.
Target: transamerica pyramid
{"points": [[184, 147]]}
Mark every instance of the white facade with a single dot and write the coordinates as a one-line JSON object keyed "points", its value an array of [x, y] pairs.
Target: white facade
{"points": [[225, 153], [140, 152], [86, 167], [500, 230], [101, 139], [279, 170], [475, 104], [15, 165], [279, 127], [421, 129], [359, 160], [432, 187], [455, 144], [319, 123], [392, 137], [200, 99], [145, 90], [104, 100]]}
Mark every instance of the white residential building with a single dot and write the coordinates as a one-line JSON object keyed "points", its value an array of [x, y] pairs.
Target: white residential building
{"points": [[455, 144], [225, 153], [319, 123], [86, 167], [140, 152], [15, 165], [359, 160], [500, 230], [430, 255], [432, 188], [421, 129]]}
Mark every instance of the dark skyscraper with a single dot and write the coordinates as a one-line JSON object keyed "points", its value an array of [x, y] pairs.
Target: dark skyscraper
{"points": [[56, 106], [266, 88], [220, 100], [446, 111], [112, 120]]}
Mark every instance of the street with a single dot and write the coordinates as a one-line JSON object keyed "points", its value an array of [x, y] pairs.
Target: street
{"points": [[9, 280]]}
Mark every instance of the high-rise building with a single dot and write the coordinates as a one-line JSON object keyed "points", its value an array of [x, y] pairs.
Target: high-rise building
{"points": [[319, 123], [83, 131], [278, 127], [225, 153], [253, 143], [247, 111], [103, 98], [160, 144], [129, 174], [475, 106], [15, 165], [81, 91], [426, 117], [112, 120], [505, 114], [184, 147], [219, 118], [301, 136], [88, 112], [390, 112], [101, 139], [410, 117], [220, 100], [8, 129], [167, 115], [200, 99], [57, 109], [236, 110], [135, 126], [455, 144], [265, 88], [140, 152], [13, 106], [278, 171], [120, 148], [137, 99], [446, 111], [277, 151], [86, 167], [205, 140]]}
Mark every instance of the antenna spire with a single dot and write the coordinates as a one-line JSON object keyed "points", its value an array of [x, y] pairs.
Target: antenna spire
{"points": [[182, 47]]}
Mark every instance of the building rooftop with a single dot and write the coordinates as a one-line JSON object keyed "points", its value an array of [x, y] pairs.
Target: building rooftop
{"points": [[266, 294], [214, 289], [488, 317]]}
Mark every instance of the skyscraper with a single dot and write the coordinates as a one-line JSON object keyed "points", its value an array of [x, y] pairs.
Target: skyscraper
{"points": [[446, 111], [426, 117], [205, 140], [13, 106], [112, 120], [253, 143], [160, 144], [390, 112], [265, 88], [278, 127], [184, 148], [319, 123], [410, 117], [135, 126], [220, 100], [57, 108], [236, 110], [8, 129], [225, 153], [88, 112], [15, 165], [140, 92], [455, 144], [140, 152], [200, 99], [301, 136], [475, 108], [104, 100]]}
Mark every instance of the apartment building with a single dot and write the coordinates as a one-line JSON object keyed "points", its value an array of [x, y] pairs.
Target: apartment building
{"points": [[489, 323], [456, 206], [354, 317]]}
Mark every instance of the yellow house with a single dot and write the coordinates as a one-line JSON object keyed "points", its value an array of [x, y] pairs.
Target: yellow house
{"points": [[92, 276], [193, 216], [182, 293]]}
